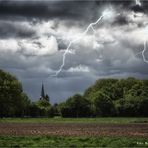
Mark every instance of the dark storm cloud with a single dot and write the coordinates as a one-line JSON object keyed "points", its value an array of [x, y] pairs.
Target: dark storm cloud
{"points": [[9, 29], [137, 8], [35, 12], [121, 20], [143, 8], [85, 11], [44, 9], [119, 3], [60, 9]]}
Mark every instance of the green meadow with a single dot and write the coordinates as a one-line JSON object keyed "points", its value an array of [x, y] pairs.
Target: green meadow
{"points": [[54, 141], [118, 120]]}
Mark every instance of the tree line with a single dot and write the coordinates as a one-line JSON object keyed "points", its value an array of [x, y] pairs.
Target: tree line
{"points": [[107, 97]]}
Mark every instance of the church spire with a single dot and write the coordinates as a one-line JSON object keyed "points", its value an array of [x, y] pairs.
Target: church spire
{"points": [[43, 95], [42, 91]]}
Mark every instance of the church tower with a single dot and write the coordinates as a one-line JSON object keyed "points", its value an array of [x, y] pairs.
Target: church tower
{"points": [[43, 95], [42, 91]]}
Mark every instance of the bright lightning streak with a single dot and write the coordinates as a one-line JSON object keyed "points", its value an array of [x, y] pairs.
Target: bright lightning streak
{"points": [[90, 26], [144, 59], [142, 52], [107, 14]]}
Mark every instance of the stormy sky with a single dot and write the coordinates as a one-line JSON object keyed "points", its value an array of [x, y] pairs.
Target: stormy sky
{"points": [[34, 35]]}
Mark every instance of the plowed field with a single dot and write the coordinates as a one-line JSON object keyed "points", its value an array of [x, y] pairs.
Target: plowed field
{"points": [[74, 129]]}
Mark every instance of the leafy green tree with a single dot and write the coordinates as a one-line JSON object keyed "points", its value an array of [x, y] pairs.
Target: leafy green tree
{"points": [[47, 98], [76, 106], [12, 99], [54, 110], [131, 106], [103, 104], [34, 110], [144, 107], [102, 85], [44, 107], [139, 89], [43, 104]]}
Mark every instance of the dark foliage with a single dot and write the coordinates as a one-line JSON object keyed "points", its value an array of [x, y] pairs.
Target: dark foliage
{"points": [[107, 97]]}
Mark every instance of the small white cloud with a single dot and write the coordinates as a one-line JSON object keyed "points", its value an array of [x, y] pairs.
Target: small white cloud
{"points": [[79, 68]]}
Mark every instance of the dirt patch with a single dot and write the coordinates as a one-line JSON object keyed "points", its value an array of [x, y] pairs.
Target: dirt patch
{"points": [[74, 129]]}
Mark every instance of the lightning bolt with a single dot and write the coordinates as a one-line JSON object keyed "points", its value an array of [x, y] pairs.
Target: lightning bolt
{"points": [[143, 52], [90, 26], [108, 13], [144, 59], [145, 42]]}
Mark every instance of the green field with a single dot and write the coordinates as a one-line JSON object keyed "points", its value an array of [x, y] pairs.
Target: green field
{"points": [[48, 141], [114, 120], [65, 141]]}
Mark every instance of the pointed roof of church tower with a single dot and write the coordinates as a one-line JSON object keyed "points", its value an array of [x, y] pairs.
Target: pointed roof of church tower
{"points": [[42, 91]]}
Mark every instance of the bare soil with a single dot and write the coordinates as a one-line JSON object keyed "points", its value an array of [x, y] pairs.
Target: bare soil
{"points": [[74, 129]]}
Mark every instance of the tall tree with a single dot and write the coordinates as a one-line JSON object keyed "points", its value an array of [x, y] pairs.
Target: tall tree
{"points": [[12, 99]]}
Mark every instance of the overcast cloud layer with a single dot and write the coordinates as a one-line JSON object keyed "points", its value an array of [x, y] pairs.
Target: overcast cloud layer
{"points": [[35, 34]]}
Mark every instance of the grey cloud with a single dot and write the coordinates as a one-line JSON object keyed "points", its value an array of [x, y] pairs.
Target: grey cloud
{"points": [[9, 29], [121, 20], [44, 9]]}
